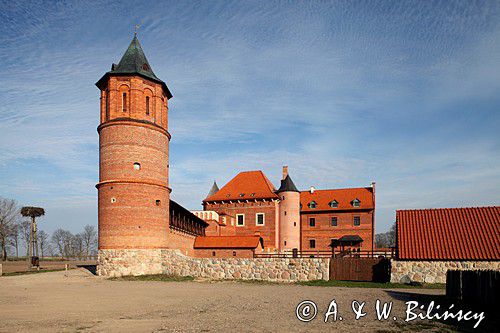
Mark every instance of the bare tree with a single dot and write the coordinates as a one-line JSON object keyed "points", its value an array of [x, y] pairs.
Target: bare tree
{"points": [[387, 239], [14, 239], [43, 238], [89, 235], [58, 239], [9, 214], [25, 232], [78, 245]]}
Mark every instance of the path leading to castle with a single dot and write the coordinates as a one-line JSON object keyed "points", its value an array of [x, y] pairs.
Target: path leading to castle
{"points": [[78, 301]]}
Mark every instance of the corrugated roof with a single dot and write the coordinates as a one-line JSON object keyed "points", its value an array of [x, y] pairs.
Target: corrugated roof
{"points": [[344, 197], [226, 242], [247, 185], [449, 233]]}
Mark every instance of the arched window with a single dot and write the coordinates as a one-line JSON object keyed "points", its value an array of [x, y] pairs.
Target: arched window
{"points": [[137, 166], [147, 105], [312, 204]]}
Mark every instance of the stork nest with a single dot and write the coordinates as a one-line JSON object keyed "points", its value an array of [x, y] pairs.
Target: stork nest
{"points": [[32, 211]]}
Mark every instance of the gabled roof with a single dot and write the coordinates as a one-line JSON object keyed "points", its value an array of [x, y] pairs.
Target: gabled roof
{"points": [[449, 233], [227, 242], [287, 185], [134, 62], [344, 197], [247, 185], [213, 190]]}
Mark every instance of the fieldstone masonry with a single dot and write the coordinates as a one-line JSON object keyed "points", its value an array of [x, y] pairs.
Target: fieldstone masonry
{"points": [[115, 263], [433, 271]]}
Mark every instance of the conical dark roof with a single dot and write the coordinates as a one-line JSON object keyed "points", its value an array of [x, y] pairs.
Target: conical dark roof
{"points": [[213, 190], [134, 62], [287, 185]]}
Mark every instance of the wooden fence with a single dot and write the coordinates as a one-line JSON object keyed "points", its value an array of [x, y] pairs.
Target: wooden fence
{"points": [[326, 254], [475, 287]]}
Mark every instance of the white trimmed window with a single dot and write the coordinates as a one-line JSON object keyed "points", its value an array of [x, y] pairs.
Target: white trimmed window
{"points": [[259, 219], [240, 220]]}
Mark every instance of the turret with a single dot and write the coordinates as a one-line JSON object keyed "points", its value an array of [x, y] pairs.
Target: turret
{"points": [[289, 213], [133, 188]]}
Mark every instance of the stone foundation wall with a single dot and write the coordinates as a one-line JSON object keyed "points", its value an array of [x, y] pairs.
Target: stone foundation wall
{"points": [[433, 271], [269, 269], [115, 263]]}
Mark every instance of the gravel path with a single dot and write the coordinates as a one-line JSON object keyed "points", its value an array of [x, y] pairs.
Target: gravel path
{"points": [[78, 301]]}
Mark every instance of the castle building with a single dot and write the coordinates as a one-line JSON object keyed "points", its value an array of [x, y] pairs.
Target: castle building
{"points": [[287, 219], [138, 220]]}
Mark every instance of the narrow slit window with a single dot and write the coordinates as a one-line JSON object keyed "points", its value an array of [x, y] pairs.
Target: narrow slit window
{"points": [[147, 105], [312, 243], [124, 102]]}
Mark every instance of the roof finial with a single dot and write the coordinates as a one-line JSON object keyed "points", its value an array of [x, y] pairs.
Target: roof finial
{"points": [[136, 27]]}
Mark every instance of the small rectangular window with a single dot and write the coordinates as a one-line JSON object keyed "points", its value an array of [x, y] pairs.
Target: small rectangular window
{"points": [[334, 221], [124, 102], [234, 253], [147, 105], [213, 253], [259, 219], [312, 222], [240, 220], [312, 243], [357, 220]]}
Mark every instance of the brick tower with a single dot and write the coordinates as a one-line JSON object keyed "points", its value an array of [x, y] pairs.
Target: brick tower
{"points": [[133, 191], [289, 214]]}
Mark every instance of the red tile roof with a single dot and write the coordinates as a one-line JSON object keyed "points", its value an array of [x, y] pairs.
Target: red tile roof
{"points": [[226, 242], [344, 197], [246, 185], [449, 233]]}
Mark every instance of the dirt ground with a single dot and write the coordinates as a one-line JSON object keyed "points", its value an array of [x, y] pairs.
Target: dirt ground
{"points": [[22, 266], [76, 300]]}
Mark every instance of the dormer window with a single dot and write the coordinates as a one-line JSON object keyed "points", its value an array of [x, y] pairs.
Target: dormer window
{"points": [[312, 204], [356, 203], [242, 195], [334, 204]]}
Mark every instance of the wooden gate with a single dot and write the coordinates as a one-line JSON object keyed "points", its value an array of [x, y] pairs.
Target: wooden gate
{"points": [[360, 269]]}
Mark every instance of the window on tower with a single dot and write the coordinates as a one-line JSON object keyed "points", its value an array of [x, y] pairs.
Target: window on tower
{"points": [[124, 102], [147, 105]]}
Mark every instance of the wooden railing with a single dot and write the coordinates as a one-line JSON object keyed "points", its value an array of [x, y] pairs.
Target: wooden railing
{"points": [[327, 254]]}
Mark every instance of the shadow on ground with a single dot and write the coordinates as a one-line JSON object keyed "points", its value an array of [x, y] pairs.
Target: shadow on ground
{"points": [[91, 268]]}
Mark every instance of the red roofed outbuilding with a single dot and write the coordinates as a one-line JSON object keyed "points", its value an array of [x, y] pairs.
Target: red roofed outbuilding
{"points": [[448, 234]]}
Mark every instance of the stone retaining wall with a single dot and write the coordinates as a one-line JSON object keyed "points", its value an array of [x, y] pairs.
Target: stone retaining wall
{"points": [[269, 269], [114, 263], [433, 271]]}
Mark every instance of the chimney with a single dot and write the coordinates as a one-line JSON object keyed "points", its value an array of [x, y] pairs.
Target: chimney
{"points": [[285, 171], [373, 187], [312, 189]]}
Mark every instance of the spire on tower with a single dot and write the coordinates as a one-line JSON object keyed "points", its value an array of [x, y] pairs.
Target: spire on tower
{"points": [[213, 190], [134, 62]]}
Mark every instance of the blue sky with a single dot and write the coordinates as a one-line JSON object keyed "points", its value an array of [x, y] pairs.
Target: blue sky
{"points": [[404, 93]]}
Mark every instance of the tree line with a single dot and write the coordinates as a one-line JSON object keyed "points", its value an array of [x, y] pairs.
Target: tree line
{"points": [[15, 237]]}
